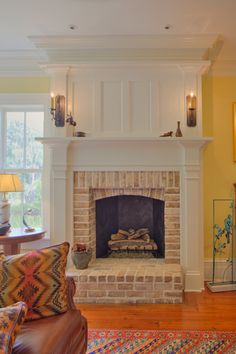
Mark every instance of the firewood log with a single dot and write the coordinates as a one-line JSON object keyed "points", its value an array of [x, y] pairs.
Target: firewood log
{"points": [[118, 236], [139, 233], [123, 232], [146, 238], [131, 231]]}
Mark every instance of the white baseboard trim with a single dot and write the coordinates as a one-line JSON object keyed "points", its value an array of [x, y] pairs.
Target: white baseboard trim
{"points": [[193, 281]]}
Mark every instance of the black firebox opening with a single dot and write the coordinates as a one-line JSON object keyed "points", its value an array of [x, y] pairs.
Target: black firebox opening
{"points": [[129, 212]]}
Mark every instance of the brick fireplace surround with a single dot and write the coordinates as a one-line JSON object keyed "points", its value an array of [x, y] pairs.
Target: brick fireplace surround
{"points": [[91, 186], [129, 280]]}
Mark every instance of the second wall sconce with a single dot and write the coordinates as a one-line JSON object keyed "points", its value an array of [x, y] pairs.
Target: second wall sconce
{"points": [[191, 104]]}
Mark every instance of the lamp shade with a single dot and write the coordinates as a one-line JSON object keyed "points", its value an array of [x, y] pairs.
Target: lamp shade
{"points": [[10, 183]]}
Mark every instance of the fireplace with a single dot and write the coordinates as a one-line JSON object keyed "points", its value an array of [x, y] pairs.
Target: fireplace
{"points": [[87, 170], [130, 226]]}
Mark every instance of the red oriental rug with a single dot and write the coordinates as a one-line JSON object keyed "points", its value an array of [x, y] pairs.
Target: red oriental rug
{"points": [[161, 342]]}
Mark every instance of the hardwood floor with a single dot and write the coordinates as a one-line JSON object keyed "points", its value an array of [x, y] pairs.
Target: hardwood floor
{"points": [[206, 310]]}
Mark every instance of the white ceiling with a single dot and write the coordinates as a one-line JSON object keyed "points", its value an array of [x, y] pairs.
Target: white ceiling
{"points": [[20, 20]]}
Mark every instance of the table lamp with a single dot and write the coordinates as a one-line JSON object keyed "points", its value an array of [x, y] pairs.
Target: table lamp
{"points": [[8, 183]]}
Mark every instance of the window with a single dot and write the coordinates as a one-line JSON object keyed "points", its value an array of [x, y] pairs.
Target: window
{"points": [[22, 155]]}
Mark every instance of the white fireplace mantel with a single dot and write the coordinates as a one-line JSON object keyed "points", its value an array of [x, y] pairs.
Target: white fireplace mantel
{"points": [[109, 152], [69, 154], [191, 143], [169, 140]]}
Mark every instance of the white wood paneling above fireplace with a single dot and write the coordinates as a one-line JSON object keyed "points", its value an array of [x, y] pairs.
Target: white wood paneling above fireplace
{"points": [[134, 100]]}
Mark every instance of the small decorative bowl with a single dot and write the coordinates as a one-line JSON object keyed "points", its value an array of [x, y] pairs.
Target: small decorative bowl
{"points": [[79, 134], [81, 259]]}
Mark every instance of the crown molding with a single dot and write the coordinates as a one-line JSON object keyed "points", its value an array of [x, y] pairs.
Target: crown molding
{"points": [[73, 56], [62, 69], [124, 41], [82, 49], [21, 63], [223, 68], [77, 50], [198, 67]]}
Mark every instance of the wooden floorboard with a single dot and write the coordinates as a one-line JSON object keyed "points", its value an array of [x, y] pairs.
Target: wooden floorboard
{"points": [[199, 311]]}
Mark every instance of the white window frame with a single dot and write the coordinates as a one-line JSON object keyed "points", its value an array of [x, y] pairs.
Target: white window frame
{"points": [[30, 102]]}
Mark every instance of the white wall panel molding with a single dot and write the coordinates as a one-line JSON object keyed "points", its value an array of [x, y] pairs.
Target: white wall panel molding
{"points": [[59, 172], [58, 149], [191, 213], [114, 100], [192, 171]]}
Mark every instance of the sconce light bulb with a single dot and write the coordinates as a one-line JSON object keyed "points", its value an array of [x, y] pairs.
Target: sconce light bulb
{"points": [[191, 110], [52, 100]]}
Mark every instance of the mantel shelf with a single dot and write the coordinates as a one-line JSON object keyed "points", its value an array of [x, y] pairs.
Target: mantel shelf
{"points": [[140, 139]]}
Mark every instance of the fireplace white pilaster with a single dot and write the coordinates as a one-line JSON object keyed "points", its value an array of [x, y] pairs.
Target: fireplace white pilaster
{"points": [[192, 216], [151, 154]]}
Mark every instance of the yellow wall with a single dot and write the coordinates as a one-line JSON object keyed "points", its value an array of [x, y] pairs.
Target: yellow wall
{"points": [[219, 93], [24, 85]]}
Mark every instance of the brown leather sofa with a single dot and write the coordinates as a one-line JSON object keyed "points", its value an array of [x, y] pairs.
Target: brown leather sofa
{"points": [[61, 334]]}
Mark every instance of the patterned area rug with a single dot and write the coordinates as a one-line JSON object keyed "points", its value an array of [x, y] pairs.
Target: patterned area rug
{"points": [[161, 342]]}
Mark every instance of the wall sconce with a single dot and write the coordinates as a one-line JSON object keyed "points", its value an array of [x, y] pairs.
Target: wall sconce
{"points": [[57, 111], [191, 103]]}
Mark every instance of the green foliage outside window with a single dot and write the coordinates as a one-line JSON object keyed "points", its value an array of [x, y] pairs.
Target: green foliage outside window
{"points": [[23, 153]]}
